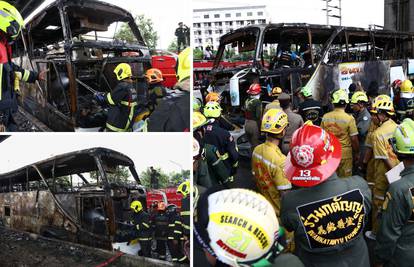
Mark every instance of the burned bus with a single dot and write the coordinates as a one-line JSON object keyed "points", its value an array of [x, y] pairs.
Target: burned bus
{"points": [[76, 41], [322, 57], [76, 197]]}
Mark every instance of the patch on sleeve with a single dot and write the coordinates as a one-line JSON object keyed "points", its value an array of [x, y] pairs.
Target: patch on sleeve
{"points": [[333, 221], [365, 118]]}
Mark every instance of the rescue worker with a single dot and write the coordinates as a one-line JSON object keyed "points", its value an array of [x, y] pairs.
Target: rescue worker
{"points": [[122, 101], [253, 114], [295, 121], [213, 110], [327, 232], [11, 23], [275, 93], [155, 89], [181, 33], [405, 104], [184, 190], [141, 220], [395, 239], [367, 168], [173, 112], [268, 160], [359, 101], [161, 230], [310, 109], [343, 126], [174, 234], [238, 227], [384, 156]]}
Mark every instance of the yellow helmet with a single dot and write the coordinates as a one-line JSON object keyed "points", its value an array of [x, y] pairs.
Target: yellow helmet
{"points": [[406, 86], [184, 188], [340, 95], [212, 110], [359, 97], [276, 91], [274, 121], [184, 64], [123, 71], [11, 22], [384, 103], [136, 206], [198, 120]]}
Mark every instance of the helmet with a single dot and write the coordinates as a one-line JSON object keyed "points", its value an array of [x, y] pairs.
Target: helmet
{"points": [[403, 140], [359, 97], [213, 96], [171, 208], [196, 104], [313, 157], [306, 91], [276, 91], [198, 120], [237, 213], [396, 83], [254, 89], [339, 96], [184, 64], [274, 121], [384, 103], [136, 206], [406, 86], [184, 188], [11, 22], [123, 71], [212, 110], [154, 76], [196, 148], [161, 206]]}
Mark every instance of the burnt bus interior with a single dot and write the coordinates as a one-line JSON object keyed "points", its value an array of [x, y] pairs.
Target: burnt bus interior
{"points": [[260, 48], [75, 197], [75, 41]]}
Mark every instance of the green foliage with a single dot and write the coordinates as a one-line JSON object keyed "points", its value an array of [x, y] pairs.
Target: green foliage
{"points": [[164, 179], [119, 176], [146, 27], [197, 54], [173, 46]]}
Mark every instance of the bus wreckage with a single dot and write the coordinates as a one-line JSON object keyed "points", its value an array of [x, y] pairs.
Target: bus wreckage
{"points": [[75, 197]]}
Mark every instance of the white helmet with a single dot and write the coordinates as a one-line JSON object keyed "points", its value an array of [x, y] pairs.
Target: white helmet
{"points": [[242, 226], [196, 148]]}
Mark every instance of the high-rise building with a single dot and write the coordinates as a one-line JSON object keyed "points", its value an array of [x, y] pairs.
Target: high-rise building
{"points": [[211, 23]]}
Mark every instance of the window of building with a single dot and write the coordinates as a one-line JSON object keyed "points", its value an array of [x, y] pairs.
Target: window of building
{"points": [[260, 13], [206, 16], [228, 15], [252, 21], [249, 14], [216, 16], [238, 14]]}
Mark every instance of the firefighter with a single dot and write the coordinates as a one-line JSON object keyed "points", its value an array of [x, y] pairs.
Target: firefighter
{"points": [[238, 227], [327, 231], [395, 239], [224, 123], [11, 23], [181, 33], [367, 169], [310, 109], [275, 93], [343, 126], [173, 112], [142, 224], [161, 230], [122, 101], [184, 190], [359, 101], [385, 158], [253, 114], [174, 235], [268, 160], [405, 104], [156, 90], [213, 110]]}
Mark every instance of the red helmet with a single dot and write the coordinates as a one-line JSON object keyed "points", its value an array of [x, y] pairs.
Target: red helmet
{"points": [[254, 89], [396, 83], [313, 157]]}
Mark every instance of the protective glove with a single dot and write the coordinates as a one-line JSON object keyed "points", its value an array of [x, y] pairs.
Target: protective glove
{"points": [[100, 97]]}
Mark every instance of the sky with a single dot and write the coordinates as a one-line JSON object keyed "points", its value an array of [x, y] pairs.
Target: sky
{"points": [[165, 15], [171, 152], [355, 13]]}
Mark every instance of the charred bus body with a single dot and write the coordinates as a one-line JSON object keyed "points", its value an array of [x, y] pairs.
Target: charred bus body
{"points": [[326, 58], [75, 40], [74, 197]]}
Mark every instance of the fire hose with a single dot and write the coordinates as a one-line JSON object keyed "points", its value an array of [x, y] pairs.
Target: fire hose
{"points": [[109, 261]]}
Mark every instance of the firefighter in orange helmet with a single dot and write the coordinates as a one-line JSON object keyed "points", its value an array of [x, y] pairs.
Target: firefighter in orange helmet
{"points": [[156, 90]]}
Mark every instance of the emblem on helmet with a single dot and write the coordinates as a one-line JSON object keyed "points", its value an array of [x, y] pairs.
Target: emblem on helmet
{"points": [[303, 155]]}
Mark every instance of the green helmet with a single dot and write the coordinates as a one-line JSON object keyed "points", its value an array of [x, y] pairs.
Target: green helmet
{"points": [[212, 110], [340, 95], [403, 139], [196, 104], [11, 22], [306, 91]]}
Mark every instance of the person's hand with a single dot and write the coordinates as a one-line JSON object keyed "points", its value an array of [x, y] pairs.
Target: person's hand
{"points": [[42, 75]]}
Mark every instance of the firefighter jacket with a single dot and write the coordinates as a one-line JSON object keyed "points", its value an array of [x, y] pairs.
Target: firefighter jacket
{"points": [[311, 110], [395, 239], [328, 220], [122, 102], [405, 105], [161, 226], [363, 121], [185, 216], [225, 124], [224, 142], [156, 93], [175, 231], [253, 109], [142, 223], [218, 172]]}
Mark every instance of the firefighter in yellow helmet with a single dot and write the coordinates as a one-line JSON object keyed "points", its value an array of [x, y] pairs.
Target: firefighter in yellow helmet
{"points": [[343, 126], [359, 102], [173, 112], [268, 160], [122, 101], [184, 189], [141, 220], [275, 93], [405, 105], [11, 23]]}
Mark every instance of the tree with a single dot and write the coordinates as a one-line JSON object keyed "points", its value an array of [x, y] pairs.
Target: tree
{"points": [[197, 54], [164, 179], [173, 46], [119, 176], [145, 26]]}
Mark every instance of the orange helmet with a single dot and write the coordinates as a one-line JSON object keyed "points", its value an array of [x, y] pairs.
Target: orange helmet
{"points": [[154, 76], [213, 96], [161, 206], [313, 157]]}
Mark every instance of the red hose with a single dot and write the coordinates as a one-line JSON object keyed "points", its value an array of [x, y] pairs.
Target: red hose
{"points": [[106, 263]]}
